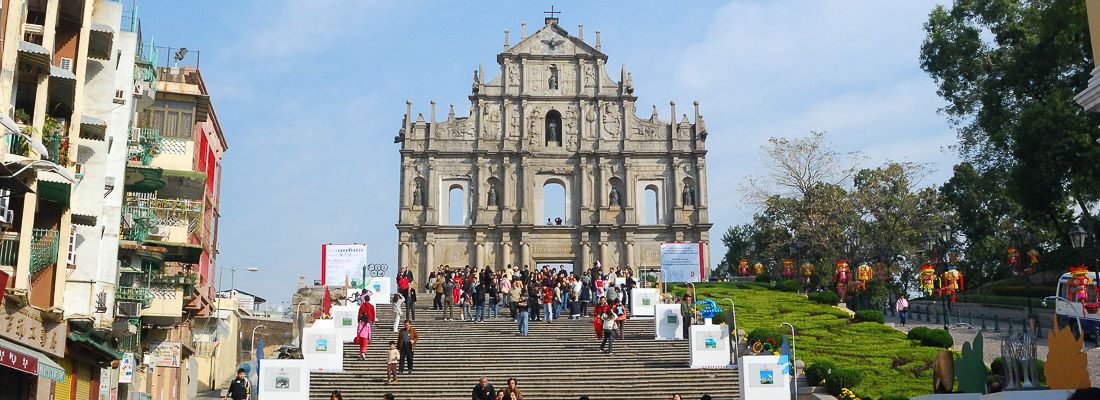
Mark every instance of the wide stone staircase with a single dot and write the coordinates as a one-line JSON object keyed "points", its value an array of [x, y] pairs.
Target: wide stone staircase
{"points": [[557, 360]]}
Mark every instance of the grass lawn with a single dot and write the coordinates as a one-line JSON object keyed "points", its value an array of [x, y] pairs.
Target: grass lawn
{"points": [[891, 364]]}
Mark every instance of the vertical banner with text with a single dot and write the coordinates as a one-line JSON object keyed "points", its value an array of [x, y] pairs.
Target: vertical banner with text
{"points": [[682, 262], [342, 263]]}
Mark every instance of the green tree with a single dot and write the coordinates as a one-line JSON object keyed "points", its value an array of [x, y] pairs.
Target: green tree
{"points": [[1008, 70]]}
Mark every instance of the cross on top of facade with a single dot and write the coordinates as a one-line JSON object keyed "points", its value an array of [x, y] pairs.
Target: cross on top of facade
{"points": [[552, 13]]}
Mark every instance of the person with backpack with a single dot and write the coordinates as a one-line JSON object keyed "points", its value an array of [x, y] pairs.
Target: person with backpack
{"points": [[608, 319], [240, 388], [620, 317]]}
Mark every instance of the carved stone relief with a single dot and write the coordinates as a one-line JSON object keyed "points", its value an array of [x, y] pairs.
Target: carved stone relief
{"points": [[610, 120]]}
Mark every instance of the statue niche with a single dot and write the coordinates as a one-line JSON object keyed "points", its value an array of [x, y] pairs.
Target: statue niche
{"points": [[553, 128], [552, 83]]}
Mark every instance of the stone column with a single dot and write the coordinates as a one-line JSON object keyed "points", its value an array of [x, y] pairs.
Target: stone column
{"points": [[525, 254], [604, 254], [506, 252], [706, 259], [586, 255], [429, 255], [403, 255], [479, 255], [630, 253]]}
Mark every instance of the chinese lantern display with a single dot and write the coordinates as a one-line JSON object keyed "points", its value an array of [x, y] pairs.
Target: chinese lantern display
{"points": [[928, 278], [807, 273], [1079, 284], [758, 269], [841, 277], [788, 269], [1013, 256], [1032, 260], [952, 282], [743, 267], [864, 273]]}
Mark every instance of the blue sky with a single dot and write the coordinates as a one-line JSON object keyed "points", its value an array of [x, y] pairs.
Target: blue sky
{"points": [[311, 93]]}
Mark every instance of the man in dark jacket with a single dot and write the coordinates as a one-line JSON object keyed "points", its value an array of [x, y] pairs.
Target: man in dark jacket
{"points": [[406, 345], [483, 390], [240, 388]]}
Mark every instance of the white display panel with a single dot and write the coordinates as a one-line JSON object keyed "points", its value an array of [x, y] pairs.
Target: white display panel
{"points": [[710, 346], [643, 302], [322, 347], [669, 324], [283, 380], [342, 263], [763, 377], [345, 319]]}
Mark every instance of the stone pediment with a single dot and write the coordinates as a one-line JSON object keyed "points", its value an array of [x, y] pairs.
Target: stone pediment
{"points": [[552, 40]]}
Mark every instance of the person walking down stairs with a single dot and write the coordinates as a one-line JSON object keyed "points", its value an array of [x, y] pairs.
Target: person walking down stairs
{"points": [[406, 344], [366, 318], [523, 316], [396, 302], [448, 300], [391, 363]]}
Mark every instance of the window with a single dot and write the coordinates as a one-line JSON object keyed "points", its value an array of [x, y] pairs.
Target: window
{"points": [[553, 203], [652, 206], [456, 198], [171, 118]]}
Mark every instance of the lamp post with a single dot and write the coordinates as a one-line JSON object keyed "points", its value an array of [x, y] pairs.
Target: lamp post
{"points": [[945, 239], [851, 247], [736, 335], [794, 369], [298, 320], [252, 345], [218, 315]]}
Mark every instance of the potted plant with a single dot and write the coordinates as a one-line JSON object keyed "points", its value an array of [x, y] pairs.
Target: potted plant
{"points": [[22, 117]]}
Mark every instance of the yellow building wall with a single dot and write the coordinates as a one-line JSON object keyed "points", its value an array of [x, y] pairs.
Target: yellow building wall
{"points": [[175, 160], [164, 306], [224, 359]]}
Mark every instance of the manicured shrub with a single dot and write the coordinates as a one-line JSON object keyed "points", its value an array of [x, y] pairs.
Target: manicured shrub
{"points": [[918, 333], [818, 371], [789, 285], [763, 278], [997, 367], [870, 316], [762, 334], [827, 298], [938, 338], [842, 378]]}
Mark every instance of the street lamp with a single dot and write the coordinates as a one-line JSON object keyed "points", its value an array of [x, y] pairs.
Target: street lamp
{"points": [[218, 314], [1077, 236], [929, 242], [252, 344], [794, 368], [13, 129], [45, 165], [945, 234]]}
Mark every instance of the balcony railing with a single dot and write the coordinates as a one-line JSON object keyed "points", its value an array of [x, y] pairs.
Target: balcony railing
{"points": [[134, 294], [144, 144], [9, 248], [173, 279], [43, 249], [137, 222]]}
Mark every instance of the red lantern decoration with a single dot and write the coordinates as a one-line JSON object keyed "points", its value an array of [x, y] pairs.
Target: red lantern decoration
{"points": [[743, 267], [928, 278], [788, 268]]}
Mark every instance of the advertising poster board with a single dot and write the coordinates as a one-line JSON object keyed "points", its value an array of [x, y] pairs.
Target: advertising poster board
{"points": [[345, 319], [765, 377], [126, 368], [682, 262], [342, 263], [710, 346], [669, 324], [322, 347], [643, 302], [283, 379], [165, 354]]}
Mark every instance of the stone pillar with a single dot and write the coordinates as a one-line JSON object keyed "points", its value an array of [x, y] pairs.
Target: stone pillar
{"points": [[604, 254], [586, 255], [706, 259], [525, 254], [479, 255], [403, 256], [630, 253], [429, 255], [505, 252]]}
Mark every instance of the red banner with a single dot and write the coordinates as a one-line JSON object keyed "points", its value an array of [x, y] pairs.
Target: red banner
{"points": [[14, 359]]}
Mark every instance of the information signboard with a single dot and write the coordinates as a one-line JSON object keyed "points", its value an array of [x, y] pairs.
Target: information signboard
{"points": [[682, 262]]}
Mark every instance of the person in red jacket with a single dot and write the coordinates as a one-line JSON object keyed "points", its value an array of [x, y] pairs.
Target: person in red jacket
{"points": [[548, 303], [366, 318], [598, 312]]}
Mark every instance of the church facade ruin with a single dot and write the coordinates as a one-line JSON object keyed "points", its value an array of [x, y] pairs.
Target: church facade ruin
{"points": [[474, 188]]}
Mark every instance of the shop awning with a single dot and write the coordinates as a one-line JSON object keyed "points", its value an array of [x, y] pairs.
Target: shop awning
{"points": [[102, 35], [85, 220], [52, 190], [86, 339], [34, 53], [181, 184], [25, 359], [62, 85], [141, 179], [11, 183], [92, 127]]}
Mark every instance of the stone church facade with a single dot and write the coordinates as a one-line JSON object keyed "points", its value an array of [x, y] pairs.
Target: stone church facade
{"points": [[552, 117]]}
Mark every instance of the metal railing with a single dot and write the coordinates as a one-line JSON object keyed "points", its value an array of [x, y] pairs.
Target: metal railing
{"points": [[135, 294], [43, 249], [137, 222], [144, 144], [9, 248]]}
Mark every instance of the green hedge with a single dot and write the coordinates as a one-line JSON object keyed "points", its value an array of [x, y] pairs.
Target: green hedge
{"points": [[827, 298], [763, 278], [842, 378], [789, 285], [931, 337], [895, 397], [870, 316], [817, 371], [760, 334], [997, 367]]}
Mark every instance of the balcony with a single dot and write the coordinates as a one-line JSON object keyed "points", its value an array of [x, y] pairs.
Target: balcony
{"points": [[134, 294], [43, 249], [9, 248], [137, 222], [167, 302], [144, 145]]}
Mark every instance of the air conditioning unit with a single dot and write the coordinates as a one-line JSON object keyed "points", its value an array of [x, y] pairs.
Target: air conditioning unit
{"points": [[128, 309], [158, 231]]}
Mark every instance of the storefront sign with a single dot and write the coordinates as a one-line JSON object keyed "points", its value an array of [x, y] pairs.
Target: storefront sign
{"points": [[126, 368], [29, 328], [22, 362], [166, 354]]}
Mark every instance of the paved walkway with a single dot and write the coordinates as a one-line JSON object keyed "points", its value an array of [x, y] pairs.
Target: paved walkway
{"points": [[992, 343]]}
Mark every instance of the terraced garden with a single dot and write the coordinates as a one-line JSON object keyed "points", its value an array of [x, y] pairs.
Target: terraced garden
{"points": [[890, 363]]}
